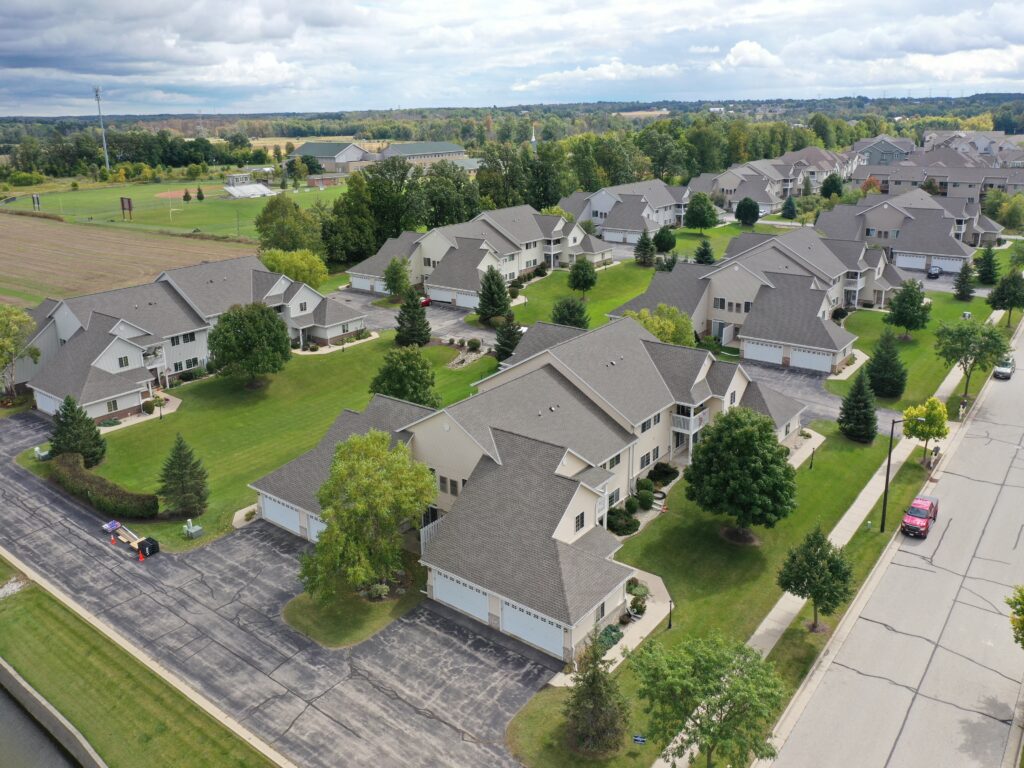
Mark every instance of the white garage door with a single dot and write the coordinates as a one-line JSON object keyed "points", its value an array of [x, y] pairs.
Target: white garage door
{"points": [[277, 513], [439, 294], [947, 264], [467, 300], [460, 594], [532, 627], [813, 359], [909, 261], [763, 351], [361, 283], [316, 527], [47, 403]]}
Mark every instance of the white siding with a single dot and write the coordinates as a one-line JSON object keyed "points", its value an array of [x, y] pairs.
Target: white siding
{"points": [[362, 283]]}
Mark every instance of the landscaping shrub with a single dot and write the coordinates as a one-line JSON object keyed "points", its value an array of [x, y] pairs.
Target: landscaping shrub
{"points": [[638, 605], [638, 590], [110, 422], [621, 523], [462, 342], [451, 340], [148, 407], [187, 375], [513, 292], [645, 484], [211, 366], [540, 271], [295, 343], [662, 473], [199, 372], [474, 345], [498, 321], [839, 313], [363, 333], [517, 283], [104, 496], [868, 305], [314, 347], [608, 637], [378, 591], [645, 499], [632, 504]]}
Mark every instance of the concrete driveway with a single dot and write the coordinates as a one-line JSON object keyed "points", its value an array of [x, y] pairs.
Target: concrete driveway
{"points": [[425, 691], [444, 321], [929, 674]]}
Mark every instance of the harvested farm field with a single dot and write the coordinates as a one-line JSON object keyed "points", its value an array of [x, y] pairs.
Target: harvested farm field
{"points": [[40, 257]]}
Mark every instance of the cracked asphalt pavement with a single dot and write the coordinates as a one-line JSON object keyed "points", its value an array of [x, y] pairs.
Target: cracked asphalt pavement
{"points": [[929, 674], [425, 691]]}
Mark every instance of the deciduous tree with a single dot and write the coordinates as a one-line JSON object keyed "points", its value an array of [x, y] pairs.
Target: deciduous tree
{"points": [[887, 374], [739, 469], [667, 323], [407, 375], [700, 213], [927, 422], [718, 695], [349, 234], [1008, 294], [832, 185], [412, 325], [396, 196], [971, 346], [373, 489], [74, 431], [396, 278], [596, 712], [582, 276], [747, 212], [16, 330], [908, 309], [570, 311], [249, 341], [818, 571], [283, 225], [301, 266], [857, 417], [183, 481], [494, 299]]}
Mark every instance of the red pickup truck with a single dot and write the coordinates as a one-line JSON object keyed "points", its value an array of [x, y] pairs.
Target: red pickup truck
{"points": [[920, 517]]}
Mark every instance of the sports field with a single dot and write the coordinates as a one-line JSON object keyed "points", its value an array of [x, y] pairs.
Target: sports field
{"points": [[40, 258], [160, 207]]}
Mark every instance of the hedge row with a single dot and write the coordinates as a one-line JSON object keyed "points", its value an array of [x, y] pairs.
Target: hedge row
{"points": [[104, 496]]}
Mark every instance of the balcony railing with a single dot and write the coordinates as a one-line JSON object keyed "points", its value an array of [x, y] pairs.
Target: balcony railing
{"points": [[427, 533], [690, 424], [602, 504]]}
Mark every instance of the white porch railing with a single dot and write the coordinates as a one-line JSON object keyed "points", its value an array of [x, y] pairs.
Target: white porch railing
{"points": [[427, 533], [690, 423], [602, 504]]}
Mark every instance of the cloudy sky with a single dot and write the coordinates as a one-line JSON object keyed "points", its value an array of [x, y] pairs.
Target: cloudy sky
{"points": [[328, 55]]}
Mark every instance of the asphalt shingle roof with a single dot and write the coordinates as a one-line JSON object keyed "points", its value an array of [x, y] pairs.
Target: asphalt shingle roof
{"points": [[322, 148], [459, 267], [788, 313], [541, 336], [153, 307], [683, 287], [628, 215], [414, 148], [215, 286], [681, 368], [771, 403]]}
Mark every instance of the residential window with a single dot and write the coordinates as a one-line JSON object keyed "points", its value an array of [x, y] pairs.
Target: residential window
{"points": [[869, 232], [426, 261], [510, 276], [657, 418], [442, 483], [746, 306], [655, 453], [614, 496], [613, 461], [732, 398], [453, 486], [787, 429], [122, 362], [302, 306], [175, 341], [731, 305], [179, 366], [853, 275], [718, 303], [111, 406], [189, 337], [645, 460], [579, 522], [600, 611], [645, 426], [192, 362]]}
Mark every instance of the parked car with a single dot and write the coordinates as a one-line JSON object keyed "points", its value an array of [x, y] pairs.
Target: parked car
{"points": [[920, 516], [1005, 368], [934, 273], [425, 301]]}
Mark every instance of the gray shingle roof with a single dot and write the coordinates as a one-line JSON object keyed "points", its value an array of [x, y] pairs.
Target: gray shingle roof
{"points": [[299, 481], [593, 477], [628, 215], [332, 312], [414, 148], [548, 223], [40, 312], [400, 247], [541, 336], [215, 286], [771, 403], [682, 288], [720, 376], [590, 244], [575, 203], [322, 148], [657, 193], [849, 252], [542, 405], [459, 267], [154, 307], [498, 535], [788, 314], [681, 368], [930, 232]]}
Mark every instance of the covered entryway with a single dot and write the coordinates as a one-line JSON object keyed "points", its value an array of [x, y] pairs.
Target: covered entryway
{"points": [[763, 351], [813, 359], [461, 595], [533, 628], [909, 261], [282, 515]]}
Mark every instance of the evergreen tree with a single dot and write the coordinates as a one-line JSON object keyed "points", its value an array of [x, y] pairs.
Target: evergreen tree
{"points": [[183, 485], [644, 251], [704, 253], [407, 375], [962, 288], [74, 431], [582, 276], [832, 185], [789, 208], [807, 190], [886, 372], [819, 571], [508, 337], [199, 194], [664, 240], [494, 299], [596, 712], [187, 197], [857, 417], [412, 325], [570, 311], [988, 268], [1008, 294]]}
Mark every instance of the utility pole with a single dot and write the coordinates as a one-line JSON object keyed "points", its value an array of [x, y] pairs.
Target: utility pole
{"points": [[103, 131]]}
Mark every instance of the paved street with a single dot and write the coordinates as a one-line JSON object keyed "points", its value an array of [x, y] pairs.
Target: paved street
{"points": [[426, 691], [929, 675], [444, 321]]}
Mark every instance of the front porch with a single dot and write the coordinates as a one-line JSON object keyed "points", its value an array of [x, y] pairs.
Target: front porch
{"points": [[687, 423]]}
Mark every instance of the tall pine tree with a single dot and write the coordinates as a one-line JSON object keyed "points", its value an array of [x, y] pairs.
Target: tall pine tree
{"points": [[962, 287], [183, 481], [988, 268], [704, 254], [886, 372], [596, 712], [412, 325], [508, 337], [644, 250], [75, 432], [494, 300], [857, 418], [789, 208]]}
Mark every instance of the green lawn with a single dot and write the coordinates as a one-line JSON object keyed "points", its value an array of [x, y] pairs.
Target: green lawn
{"points": [[122, 708], [687, 240], [615, 286], [334, 282], [926, 369], [217, 214], [797, 648], [716, 585], [243, 434], [347, 618]]}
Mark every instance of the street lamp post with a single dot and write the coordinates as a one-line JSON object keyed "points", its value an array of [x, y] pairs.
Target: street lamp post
{"points": [[888, 467], [670, 606]]}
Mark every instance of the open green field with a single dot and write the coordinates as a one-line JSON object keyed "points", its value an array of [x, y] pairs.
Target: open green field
{"points": [[615, 286], [334, 282], [155, 209], [242, 434], [687, 240], [716, 585], [926, 369], [122, 708]]}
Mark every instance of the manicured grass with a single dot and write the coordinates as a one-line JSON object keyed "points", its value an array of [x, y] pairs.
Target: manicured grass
{"points": [[716, 586], [347, 618], [334, 282], [687, 240], [243, 434], [217, 214], [926, 369], [387, 302], [615, 286], [6, 570], [123, 709], [797, 649]]}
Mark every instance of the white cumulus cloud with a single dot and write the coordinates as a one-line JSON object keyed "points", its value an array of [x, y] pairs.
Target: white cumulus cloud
{"points": [[613, 70], [746, 53], [704, 49]]}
